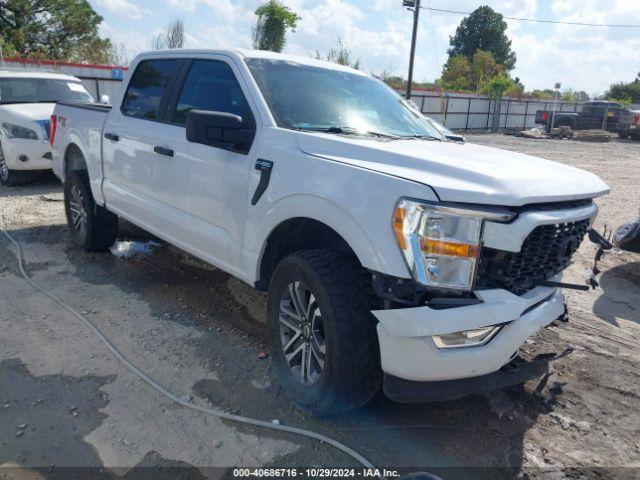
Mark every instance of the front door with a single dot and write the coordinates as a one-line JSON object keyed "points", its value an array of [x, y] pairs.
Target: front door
{"points": [[209, 202]]}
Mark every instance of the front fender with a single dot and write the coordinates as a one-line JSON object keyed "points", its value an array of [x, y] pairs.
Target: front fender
{"points": [[375, 248]]}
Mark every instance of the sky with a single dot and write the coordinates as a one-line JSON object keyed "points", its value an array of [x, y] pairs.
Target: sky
{"points": [[379, 33]]}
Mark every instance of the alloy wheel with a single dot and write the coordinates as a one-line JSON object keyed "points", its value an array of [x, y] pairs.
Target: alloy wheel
{"points": [[77, 211], [302, 333]]}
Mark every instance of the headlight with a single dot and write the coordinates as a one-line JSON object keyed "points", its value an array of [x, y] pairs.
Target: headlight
{"points": [[16, 131], [440, 243]]}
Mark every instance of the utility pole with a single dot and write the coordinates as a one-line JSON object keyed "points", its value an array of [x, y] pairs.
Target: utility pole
{"points": [[604, 118], [558, 85], [416, 15]]}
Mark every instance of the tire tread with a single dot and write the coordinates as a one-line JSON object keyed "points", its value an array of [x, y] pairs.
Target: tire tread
{"points": [[349, 288], [102, 224]]}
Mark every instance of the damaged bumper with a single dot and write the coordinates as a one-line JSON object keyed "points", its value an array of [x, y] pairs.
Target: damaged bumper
{"points": [[515, 372], [409, 353]]}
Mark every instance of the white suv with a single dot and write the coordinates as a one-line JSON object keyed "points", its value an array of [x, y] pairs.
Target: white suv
{"points": [[389, 253], [26, 104]]}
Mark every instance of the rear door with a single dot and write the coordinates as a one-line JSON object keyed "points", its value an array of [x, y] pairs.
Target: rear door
{"points": [[133, 134]]}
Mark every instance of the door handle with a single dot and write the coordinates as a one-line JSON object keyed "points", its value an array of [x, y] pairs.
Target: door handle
{"points": [[112, 136], [167, 152]]}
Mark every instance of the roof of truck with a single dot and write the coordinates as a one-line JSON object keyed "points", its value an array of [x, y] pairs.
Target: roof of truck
{"points": [[36, 74], [246, 53]]}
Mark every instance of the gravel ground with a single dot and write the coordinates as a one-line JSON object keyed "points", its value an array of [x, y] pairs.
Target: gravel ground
{"points": [[65, 402]]}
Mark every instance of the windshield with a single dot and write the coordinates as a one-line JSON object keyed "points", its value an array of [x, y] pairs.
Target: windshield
{"points": [[41, 90], [314, 98]]}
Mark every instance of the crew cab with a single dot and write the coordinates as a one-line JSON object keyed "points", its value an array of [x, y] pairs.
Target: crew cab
{"points": [[391, 256], [590, 117], [26, 104]]}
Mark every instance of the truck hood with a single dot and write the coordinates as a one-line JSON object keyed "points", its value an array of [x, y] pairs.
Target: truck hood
{"points": [[27, 111], [461, 172]]}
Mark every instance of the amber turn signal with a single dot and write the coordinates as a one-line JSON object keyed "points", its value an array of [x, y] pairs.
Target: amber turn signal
{"points": [[398, 224], [452, 249]]}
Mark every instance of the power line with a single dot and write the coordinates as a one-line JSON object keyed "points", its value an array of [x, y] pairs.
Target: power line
{"points": [[537, 20]]}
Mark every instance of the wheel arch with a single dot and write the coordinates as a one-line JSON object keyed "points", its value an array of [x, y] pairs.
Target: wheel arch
{"points": [[364, 232], [74, 159], [294, 235], [77, 158]]}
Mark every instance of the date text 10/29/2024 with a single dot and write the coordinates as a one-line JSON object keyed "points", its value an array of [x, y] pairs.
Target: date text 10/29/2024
{"points": [[315, 473]]}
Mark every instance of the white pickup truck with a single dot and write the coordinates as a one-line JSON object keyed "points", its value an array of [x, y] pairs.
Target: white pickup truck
{"points": [[27, 100], [391, 256]]}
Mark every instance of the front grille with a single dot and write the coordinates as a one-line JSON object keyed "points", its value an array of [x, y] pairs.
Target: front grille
{"points": [[545, 252]]}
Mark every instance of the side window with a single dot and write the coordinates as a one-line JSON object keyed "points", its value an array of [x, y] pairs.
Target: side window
{"points": [[147, 87], [211, 85]]}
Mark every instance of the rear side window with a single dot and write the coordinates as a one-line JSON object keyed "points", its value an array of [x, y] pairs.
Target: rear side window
{"points": [[211, 85], [148, 87]]}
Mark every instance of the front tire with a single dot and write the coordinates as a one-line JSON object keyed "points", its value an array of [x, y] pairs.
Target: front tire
{"points": [[321, 331], [93, 228]]}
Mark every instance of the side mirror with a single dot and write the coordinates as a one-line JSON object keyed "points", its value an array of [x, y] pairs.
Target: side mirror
{"points": [[105, 100], [455, 137], [219, 129]]}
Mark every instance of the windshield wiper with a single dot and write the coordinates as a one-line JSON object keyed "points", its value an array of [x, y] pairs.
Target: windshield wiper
{"points": [[348, 131], [419, 137], [10, 102]]}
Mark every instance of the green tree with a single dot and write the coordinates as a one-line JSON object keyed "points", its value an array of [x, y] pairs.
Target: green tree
{"points": [[626, 101], [457, 74], [274, 19], [570, 95], [483, 67], [7, 48], [460, 73], [546, 93], [53, 29], [95, 50], [496, 87], [625, 90], [340, 54], [484, 29]]}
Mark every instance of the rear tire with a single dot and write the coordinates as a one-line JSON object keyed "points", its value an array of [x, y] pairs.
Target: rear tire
{"points": [[92, 227], [342, 359], [623, 135]]}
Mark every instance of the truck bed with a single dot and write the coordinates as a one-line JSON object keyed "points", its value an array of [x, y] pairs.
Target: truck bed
{"points": [[78, 125]]}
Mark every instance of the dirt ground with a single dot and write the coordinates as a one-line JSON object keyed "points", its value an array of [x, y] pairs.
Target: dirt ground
{"points": [[66, 402]]}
